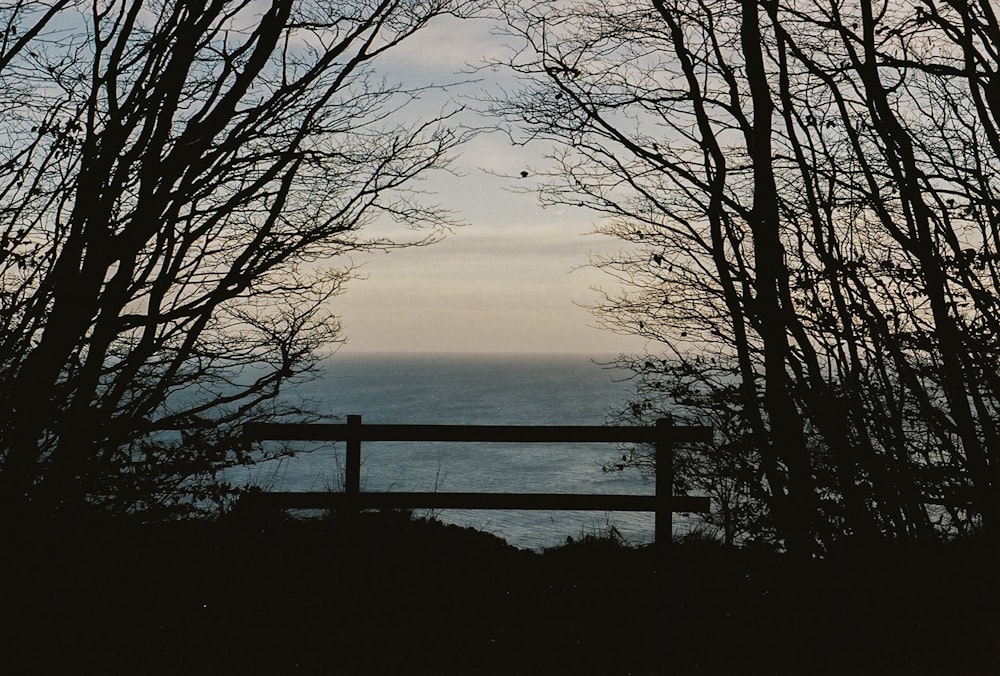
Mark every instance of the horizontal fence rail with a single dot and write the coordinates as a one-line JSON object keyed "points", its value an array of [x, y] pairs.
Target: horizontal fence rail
{"points": [[527, 501], [473, 433], [663, 435]]}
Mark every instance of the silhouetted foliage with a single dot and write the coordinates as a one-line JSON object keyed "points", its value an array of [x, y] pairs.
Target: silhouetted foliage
{"points": [[415, 596], [181, 187], [806, 192]]}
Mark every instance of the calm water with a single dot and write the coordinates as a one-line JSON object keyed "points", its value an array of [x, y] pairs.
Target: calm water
{"points": [[510, 390]]}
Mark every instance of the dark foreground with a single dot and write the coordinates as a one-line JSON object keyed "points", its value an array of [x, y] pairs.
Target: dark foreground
{"points": [[415, 597]]}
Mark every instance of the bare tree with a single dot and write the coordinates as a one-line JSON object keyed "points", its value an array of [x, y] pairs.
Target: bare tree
{"points": [[805, 191], [181, 187]]}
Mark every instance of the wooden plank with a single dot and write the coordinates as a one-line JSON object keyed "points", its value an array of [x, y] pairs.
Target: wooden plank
{"points": [[514, 501], [664, 459], [471, 433], [352, 463]]}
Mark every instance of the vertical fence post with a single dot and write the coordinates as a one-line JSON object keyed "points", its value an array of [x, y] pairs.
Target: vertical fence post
{"points": [[347, 518], [664, 525], [352, 476], [664, 484]]}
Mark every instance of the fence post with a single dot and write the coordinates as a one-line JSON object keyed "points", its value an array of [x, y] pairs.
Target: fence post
{"points": [[663, 532], [347, 518], [664, 525], [352, 471]]}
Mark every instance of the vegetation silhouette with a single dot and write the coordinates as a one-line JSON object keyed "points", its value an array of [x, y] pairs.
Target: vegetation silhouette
{"points": [[181, 189], [400, 595], [811, 190], [805, 192]]}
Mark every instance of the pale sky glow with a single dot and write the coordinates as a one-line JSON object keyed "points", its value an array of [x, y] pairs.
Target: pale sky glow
{"points": [[482, 289], [508, 281]]}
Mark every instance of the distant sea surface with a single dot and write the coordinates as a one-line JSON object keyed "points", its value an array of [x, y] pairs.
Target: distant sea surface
{"points": [[474, 390]]}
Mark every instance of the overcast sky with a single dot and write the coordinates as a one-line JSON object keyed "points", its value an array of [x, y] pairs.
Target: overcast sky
{"points": [[514, 278]]}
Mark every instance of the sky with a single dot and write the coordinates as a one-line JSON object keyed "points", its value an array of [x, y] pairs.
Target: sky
{"points": [[514, 278]]}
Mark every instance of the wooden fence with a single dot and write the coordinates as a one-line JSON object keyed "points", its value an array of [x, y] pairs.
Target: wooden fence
{"points": [[662, 503]]}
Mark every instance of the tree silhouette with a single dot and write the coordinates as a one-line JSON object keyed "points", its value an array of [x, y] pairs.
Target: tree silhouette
{"points": [[181, 187], [806, 196]]}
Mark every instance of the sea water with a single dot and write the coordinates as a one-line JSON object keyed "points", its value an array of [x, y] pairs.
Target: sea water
{"points": [[474, 390]]}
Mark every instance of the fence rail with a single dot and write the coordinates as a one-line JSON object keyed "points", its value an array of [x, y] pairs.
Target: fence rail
{"points": [[436, 500], [663, 435], [474, 433]]}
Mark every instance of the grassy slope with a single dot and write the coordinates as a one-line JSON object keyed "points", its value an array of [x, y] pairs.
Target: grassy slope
{"points": [[403, 596]]}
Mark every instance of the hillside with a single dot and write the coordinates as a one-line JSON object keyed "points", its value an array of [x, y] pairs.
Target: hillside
{"points": [[405, 596]]}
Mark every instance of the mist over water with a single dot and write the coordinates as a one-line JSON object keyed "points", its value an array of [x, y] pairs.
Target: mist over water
{"points": [[474, 390]]}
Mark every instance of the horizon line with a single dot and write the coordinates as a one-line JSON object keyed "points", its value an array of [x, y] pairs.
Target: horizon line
{"points": [[347, 352]]}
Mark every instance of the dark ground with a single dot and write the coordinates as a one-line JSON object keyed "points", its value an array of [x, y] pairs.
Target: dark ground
{"points": [[417, 597]]}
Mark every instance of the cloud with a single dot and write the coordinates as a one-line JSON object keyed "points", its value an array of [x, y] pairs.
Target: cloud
{"points": [[513, 279], [446, 46]]}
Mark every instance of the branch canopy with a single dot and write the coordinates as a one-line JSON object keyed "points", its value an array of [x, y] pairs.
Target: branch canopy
{"points": [[181, 189]]}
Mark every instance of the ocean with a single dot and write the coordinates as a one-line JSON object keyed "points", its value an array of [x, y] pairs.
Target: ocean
{"points": [[475, 390]]}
